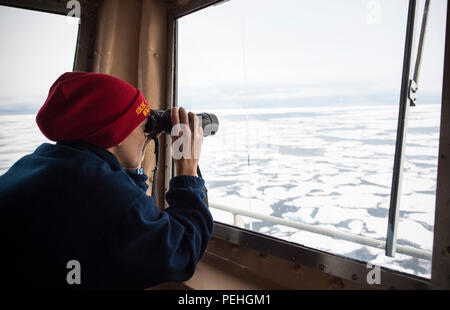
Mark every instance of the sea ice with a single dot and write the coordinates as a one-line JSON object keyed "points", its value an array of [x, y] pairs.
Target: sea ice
{"points": [[303, 215], [332, 214], [358, 201], [413, 232], [382, 179], [418, 202]]}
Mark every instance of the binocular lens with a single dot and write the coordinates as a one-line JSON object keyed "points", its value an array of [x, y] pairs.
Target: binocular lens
{"points": [[159, 121]]}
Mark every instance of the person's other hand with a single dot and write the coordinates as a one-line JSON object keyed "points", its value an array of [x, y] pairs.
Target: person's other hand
{"points": [[187, 139]]}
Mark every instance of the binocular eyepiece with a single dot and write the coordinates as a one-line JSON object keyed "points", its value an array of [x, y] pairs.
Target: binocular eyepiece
{"points": [[159, 121]]}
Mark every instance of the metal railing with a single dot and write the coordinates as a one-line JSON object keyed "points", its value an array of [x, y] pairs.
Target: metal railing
{"points": [[375, 243]]}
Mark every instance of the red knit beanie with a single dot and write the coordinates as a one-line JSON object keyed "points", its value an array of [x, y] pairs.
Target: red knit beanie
{"points": [[93, 107]]}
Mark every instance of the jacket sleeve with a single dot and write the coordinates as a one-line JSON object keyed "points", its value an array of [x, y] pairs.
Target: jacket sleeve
{"points": [[152, 247]]}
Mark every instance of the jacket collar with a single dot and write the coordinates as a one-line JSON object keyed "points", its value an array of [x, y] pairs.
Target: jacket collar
{"points": [[104, 154]]}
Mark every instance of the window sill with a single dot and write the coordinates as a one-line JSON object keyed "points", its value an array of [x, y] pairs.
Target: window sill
{"points": [[225, 266]]}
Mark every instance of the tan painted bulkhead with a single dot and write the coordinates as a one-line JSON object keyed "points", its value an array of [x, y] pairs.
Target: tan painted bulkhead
{"points": [[131, 44]]}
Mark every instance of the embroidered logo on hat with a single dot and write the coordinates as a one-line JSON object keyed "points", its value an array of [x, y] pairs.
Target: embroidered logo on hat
{"points": [[143, 108]]}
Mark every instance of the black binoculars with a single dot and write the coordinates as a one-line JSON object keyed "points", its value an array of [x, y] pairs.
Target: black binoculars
{"points": [[159, 121]]}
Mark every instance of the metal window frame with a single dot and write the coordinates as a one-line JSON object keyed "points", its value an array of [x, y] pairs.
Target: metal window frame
{"points": [[332, 264], [410, 77], [87, 28]]}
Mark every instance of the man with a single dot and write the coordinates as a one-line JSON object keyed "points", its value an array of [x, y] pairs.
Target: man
{"points": [[75, 214]]}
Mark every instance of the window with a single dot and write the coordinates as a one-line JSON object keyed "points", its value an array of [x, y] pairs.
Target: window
{"points": [[307, 94], [36, 48]]}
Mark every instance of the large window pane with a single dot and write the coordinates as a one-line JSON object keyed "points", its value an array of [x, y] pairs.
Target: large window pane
{"points": [[35, 49], [307, 94]]}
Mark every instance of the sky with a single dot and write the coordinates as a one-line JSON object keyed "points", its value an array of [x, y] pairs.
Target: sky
{"points": [[297, 51], [35, 49], [259, 51]]}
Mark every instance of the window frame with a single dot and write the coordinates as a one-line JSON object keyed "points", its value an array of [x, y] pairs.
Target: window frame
{"points": [[84, 52], [333, 264]]}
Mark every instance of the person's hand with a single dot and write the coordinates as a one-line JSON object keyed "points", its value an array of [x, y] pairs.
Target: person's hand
{"points": [[187, 139]]}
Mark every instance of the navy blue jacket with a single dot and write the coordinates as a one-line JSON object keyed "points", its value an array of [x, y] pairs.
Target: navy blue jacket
{"points": [[74, 201]]}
